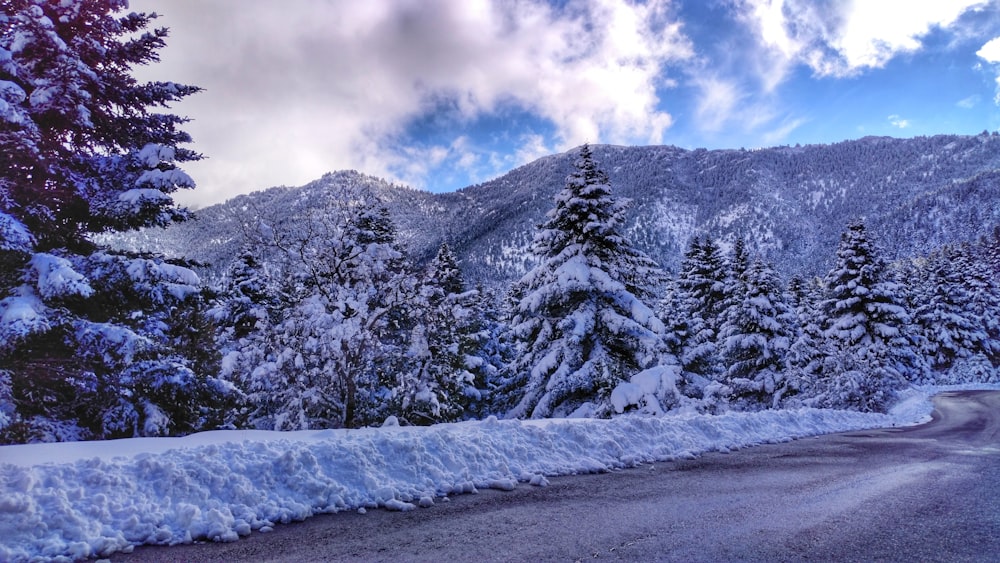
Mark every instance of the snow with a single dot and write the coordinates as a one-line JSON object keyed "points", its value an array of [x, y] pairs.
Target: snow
{"points": [[57, 278], [11, 95], [153, 154], [86, 499], [22, 314], [159, 179]]}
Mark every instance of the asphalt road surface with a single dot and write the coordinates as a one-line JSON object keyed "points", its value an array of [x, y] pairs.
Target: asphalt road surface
{"points": [[918, 494]]}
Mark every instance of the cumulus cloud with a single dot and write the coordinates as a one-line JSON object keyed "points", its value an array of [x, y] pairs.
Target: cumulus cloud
{"points": [[841, 39], [298, 89], [899, 122], [990, 52]]}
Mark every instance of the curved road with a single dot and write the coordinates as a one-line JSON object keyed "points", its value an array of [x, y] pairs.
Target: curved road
{"points": [[924, 493]]}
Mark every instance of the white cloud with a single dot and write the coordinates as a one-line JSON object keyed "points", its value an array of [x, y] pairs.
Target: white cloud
{"points": [[532, 147], [969, 102], [899, 122], [298, 89], [990, 51], [725, 105], [717, 102], [779, 134], [845, 38]]}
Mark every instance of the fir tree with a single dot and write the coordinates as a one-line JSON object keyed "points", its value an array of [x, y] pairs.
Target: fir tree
{"points": [[809, 346], [579, 318], [446, 371], [867, 328], [90, 339], [755, 338], [978, 268], [701, 299], [943, 312]]}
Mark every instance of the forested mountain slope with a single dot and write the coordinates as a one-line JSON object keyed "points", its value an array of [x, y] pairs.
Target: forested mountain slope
{"points": [[788, 203]]}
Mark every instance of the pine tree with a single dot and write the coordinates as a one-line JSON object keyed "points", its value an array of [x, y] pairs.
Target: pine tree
{"points": [[805, 355], [87, 336], [737, 267], [867, 327], [247, 300], [701, 297], [943, 309], [755, 338], [446, 372], [978, 268], [579, 318]]}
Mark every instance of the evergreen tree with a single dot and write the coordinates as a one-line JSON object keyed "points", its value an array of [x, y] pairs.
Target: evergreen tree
{"points": [[247, 302], [805, 355], [91, 340], [703, 276], [942, 311], [246, 308], [978, 269], [867, 327], [755, 338], [701, 299], [579, 318], [737, 268], [446, 373]]}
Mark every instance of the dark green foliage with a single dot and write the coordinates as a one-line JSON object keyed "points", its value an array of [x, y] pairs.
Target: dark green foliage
{"points": [[93, 343], [579, 321]]}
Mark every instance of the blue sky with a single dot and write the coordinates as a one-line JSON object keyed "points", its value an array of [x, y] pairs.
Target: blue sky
{"points": [[441, 94]]}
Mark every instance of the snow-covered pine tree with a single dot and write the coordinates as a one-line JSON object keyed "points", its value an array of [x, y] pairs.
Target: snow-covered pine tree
{"points": [[979, 269], [806, 353], [246, 308], [579, 318], [867, 327], [701, 297], [942, 311], [737, 265], [953, 295], [86, 337], [446, 372], [247, 300], [755, 337]]}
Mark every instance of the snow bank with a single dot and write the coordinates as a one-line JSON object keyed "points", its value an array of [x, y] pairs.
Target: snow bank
{"points": [[85, 499]]}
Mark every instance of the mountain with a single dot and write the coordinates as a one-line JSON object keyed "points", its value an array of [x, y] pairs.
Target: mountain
{"points": [[790, 203]]}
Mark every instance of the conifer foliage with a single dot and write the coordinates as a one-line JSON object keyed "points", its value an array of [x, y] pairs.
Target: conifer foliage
{"points": [[701, 299], [445, 375], [871, 348], [755, 337], [579, 317], [92, 343]]}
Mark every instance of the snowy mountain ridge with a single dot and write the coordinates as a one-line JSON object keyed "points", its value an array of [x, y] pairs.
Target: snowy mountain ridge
{"points": [[788, 203]]}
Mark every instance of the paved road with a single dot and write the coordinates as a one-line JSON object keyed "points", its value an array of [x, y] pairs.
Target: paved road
{"points": [[926, 493]]}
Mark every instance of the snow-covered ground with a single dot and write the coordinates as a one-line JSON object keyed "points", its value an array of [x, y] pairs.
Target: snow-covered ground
{"points": [[86, 499]]}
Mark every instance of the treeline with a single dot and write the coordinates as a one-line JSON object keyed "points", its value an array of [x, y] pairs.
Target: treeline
{"points": [[324, 321]]}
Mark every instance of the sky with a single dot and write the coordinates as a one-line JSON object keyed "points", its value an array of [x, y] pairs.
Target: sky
{"points": [[443, 94]]}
